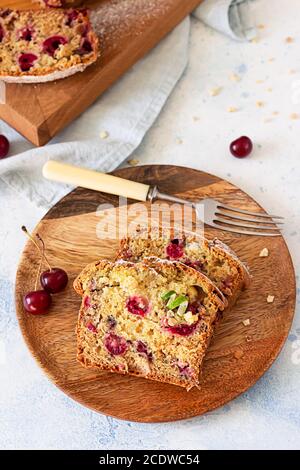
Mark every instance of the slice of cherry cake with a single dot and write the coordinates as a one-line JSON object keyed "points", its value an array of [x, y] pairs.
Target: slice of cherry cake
{"points": [[152, 319], [210, 257], [44, 45]]}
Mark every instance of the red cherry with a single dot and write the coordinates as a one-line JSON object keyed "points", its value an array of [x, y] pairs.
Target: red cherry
{"points": [[51, 44], [2, 34], [175, 249], [26, 33], [182, 329], [37, 302], [26, 61], [143, 350], [241, 147], [91, 327], [54, 280], [137, 305], [116, 345], [4, 146]]}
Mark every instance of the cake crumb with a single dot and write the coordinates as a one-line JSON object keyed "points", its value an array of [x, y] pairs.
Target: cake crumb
{"points": [[238, 354], [269, 89], [270, 299], [261, 26], [103, 135], [196, 118], [133, 162], [289, 39], [259, 104], [234, 77], [271, 59], [264, 253], [215, 91], [246, 322], [232, 109], [179, 141], [275, 113], [292, 71], [294, 116]]}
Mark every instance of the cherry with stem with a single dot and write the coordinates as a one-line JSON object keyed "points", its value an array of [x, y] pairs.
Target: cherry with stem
{"points": [[37, 302], [52, 280]]}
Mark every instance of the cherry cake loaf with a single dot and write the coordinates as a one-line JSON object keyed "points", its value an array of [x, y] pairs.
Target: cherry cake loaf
{"points": [[44, 45], [152, 319], [210, 257]]}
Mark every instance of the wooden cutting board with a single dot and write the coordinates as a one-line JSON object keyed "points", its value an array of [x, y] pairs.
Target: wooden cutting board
{"points": [[40, 111], [238, 355]]}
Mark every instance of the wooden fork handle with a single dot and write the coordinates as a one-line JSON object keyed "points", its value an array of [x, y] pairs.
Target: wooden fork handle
{"points": [[76, 176]]}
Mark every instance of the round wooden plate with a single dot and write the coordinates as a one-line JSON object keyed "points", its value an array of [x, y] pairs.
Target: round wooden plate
{"points": [[238, 355]]}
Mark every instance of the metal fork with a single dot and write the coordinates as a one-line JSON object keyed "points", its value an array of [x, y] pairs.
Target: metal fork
{"points": [[216, 214], [228, 218]]}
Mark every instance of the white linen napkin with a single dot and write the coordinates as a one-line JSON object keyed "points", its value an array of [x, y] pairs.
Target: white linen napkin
{"points": [[124, 113], [232, 17]]}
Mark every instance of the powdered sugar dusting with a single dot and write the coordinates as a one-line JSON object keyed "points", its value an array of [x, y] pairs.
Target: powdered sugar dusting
{"points": [[115, 19]]}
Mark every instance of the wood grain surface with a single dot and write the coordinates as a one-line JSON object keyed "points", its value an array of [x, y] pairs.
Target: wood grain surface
{"points": [[40, 111], [238, 355]]}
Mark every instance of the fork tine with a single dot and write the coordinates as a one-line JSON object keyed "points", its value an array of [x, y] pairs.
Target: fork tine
{"points": [[244, 232], [236, 217], [243, 225], [243, 211]]}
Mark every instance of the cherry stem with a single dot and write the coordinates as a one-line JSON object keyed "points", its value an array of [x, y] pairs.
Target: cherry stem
{"points": [[42, 251]]}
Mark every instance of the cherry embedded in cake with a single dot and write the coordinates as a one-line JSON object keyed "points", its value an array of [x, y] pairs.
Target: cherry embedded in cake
{"points": [[152, 319], [44, 45]]}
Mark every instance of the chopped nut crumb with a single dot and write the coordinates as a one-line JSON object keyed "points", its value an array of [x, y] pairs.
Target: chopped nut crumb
{"points": [[133, 162], [271, 59], [215, 91], [103, 135], [254, 40], [261, 26], [275, 113], [196, 118], [246, 322], [259, 81], [238, 354], [260, 104], [179, 141], [232, 109], [270, 299], [289, 39], [234, 77], [269, 89], [264, 253], [292, 71], [294, 116], [190, 318]]}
